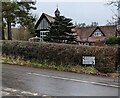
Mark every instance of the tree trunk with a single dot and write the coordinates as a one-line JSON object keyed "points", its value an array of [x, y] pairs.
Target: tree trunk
{"points": [[9, 30], [3, 34]]}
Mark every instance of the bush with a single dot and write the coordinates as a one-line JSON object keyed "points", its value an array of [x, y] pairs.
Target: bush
{"points": [[105, 69], [113, 41], [118, 40], [118, 56], [62, 54]]}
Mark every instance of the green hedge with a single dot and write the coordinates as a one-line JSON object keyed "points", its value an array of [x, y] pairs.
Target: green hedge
{"points": [[62, 54], [113, 41], [118, 59]]}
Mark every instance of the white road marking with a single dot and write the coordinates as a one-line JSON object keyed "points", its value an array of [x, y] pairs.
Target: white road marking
{"points": [[75, 80], [5, 93], [44, 95], [11, 90], [24, 92]]}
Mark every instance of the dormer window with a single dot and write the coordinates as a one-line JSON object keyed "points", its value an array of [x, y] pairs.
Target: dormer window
{"points": [[97, 33]]}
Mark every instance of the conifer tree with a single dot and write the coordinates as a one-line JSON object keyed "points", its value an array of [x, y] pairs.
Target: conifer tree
{"points": [[61, 30], [17, 12]]}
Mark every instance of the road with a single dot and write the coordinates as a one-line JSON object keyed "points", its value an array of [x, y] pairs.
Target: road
{"points": [[28, 81]]}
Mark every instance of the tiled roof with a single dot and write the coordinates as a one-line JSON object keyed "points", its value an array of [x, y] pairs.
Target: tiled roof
{"points": [[95, 39], [85, 33], [50, 18], [109, 30]]}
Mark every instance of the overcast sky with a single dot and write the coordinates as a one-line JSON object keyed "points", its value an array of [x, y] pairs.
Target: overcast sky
{"points": [[80, 12]]}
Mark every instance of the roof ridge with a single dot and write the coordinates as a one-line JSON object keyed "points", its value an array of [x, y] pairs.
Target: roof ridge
{"points": [[108, 26], [97, 26], [48, 15]]}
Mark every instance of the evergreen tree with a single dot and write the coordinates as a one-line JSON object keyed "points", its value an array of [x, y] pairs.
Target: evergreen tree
{"points": [[61, 30], [17, 12]]}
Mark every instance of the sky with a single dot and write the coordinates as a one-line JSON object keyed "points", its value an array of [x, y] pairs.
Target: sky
{"points": [[79, 11]]}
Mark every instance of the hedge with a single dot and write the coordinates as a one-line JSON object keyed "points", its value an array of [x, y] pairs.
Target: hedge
{"points": [[113, 41], [62, 54]]}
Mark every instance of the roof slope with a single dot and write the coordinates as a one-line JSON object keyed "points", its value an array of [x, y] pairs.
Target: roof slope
{"points": [[50, 18], [109, 30], [85, 33]]}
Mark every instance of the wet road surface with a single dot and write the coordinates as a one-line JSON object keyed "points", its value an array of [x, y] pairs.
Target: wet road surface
{"points": [[19, 80]]}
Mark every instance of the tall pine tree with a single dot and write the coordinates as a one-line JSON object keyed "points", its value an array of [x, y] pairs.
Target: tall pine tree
{"points": [[60, 30], [17, 12]]}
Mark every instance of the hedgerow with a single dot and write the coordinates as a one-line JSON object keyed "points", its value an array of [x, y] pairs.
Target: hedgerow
{"points": [[106, 57]]}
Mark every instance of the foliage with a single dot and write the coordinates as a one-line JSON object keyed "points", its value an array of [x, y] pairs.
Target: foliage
{"points": [[62, 54], [77, 69], [18, 13], [113, 41], [61, 30], [21, 61], [21, 33], [105, 69]]}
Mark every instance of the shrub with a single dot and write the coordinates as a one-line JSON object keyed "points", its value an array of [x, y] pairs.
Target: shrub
{"points": [[118, 40], [113, 40], [118, 58], [62, 54], [105, 69]]}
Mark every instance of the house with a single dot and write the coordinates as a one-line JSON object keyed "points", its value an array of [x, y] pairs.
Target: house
{"points": [[43, 23], [85, 35], [95, 34]]}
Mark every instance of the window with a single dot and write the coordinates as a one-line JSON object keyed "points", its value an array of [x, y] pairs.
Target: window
{"points": [[97, 33], [42, 34]]}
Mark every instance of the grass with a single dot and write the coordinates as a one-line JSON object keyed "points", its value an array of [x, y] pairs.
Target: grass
{"points": [[75, 69]]}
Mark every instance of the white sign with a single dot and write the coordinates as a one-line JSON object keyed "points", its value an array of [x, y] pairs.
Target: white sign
{"points": [[88, 60]]}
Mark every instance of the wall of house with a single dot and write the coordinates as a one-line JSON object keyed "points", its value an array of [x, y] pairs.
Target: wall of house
{"points": [[43, 24]]}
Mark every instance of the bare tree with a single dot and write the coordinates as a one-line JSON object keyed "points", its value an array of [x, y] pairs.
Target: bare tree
{"points": [[116, 17], [116, 4]]}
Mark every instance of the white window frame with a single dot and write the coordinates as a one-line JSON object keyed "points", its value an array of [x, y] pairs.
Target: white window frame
{"points": [[42, 34], [97, 33]]}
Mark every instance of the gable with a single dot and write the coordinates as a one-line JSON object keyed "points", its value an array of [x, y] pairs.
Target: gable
{"points": [[45, 17], [97, 32], [43, 24]]}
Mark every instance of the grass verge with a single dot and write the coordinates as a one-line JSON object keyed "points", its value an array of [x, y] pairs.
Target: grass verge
{"points": [[76, 69]]}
